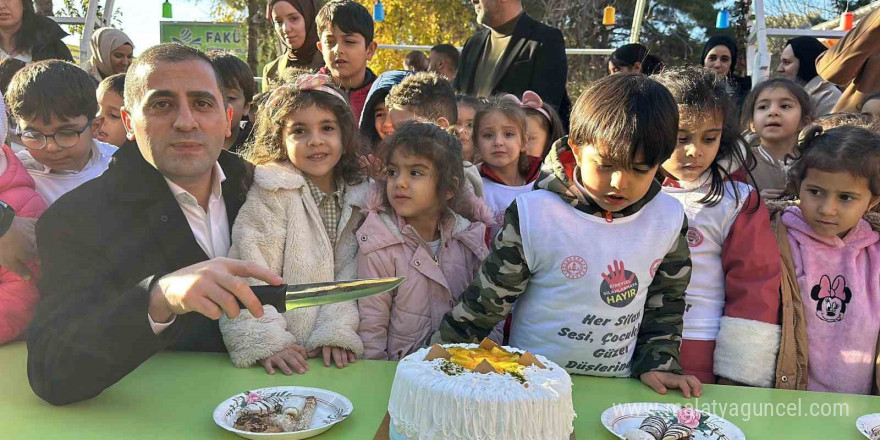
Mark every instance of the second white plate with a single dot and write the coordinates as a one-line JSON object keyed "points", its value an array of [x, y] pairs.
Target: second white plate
{"points": [[620, 419], [332, 408]]}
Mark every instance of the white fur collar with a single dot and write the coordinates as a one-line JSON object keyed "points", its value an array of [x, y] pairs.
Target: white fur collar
{"points": [[278, 175], [283, 175]]}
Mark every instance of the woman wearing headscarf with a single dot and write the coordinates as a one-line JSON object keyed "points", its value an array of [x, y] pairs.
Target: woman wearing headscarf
{"points": [[719, 54], [627, 59], [294, 23], [112, 52], [28, 37], [798, 63]]}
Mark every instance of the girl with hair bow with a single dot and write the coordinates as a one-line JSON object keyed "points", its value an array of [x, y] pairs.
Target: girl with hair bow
{"points": [[500, 135], [308, 198], [543, 125]]}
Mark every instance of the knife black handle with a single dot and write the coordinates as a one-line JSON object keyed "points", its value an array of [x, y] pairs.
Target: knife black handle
{"points": [[274, 296]]}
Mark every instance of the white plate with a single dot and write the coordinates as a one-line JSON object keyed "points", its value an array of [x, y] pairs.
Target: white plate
{"points": [[619, 419], [869, 425], [332, 408]]}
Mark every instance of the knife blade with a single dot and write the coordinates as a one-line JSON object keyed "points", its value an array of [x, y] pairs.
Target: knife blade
{"points": [[294, 296]]}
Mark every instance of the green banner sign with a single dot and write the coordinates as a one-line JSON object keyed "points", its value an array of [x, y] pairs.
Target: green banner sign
{"points": [[206, 36]]}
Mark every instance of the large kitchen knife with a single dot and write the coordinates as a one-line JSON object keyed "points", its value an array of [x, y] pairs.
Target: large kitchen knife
{"points": [[294, 296]]}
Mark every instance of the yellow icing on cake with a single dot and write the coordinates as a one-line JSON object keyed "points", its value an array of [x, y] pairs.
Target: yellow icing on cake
{"points": [[500, 359]]}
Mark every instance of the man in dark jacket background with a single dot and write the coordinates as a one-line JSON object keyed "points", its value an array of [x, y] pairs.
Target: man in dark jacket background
{"points": [[514, 53], [133, 262]]}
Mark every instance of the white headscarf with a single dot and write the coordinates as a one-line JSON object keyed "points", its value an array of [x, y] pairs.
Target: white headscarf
{"points": [[104, 40]]}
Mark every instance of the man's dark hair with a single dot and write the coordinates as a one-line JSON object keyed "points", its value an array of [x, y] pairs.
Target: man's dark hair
{"points": [[136, 77], [427, 95], [51, 88], [113, 83], [449, 52], [234, 72], [625, 114], [349, 16], [417, 61], [8, 69]]}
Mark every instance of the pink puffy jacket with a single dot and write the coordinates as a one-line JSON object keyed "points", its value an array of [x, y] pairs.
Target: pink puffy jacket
{"points": [[18, 297], [397, 323]]}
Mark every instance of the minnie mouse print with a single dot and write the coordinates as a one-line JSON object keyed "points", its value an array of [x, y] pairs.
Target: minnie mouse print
{"points": [[832, 298]]}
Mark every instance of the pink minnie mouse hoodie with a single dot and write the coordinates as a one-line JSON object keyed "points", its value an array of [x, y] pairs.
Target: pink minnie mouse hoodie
{"points": [[18, 297], [839, 281]]}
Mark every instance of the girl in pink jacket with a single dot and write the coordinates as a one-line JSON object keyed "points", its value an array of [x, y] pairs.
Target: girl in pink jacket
{"points": [[836, 255], [18, 296], [416, 227]]}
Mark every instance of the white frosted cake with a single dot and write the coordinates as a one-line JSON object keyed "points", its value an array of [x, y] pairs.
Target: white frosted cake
{"points": [[469, 391]]}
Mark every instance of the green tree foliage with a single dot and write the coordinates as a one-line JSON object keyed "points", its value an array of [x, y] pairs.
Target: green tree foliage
{"points": [[420, 22]]}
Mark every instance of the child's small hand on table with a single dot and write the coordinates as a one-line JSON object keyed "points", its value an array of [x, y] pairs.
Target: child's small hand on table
{"points": [[340, 356], [659, 381], [290, 359]]}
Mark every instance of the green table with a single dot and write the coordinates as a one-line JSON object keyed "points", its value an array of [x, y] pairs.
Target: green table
{"points": [[173, 395]]}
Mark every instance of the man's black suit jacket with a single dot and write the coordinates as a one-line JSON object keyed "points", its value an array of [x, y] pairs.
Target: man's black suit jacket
{"points": [[534, 60], [101, 246]]}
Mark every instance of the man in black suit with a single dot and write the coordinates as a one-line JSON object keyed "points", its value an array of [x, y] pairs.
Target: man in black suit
{"points": [[128, 257], [513, 54]]}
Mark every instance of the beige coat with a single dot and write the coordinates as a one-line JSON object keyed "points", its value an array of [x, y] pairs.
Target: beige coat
{"points": [[854, 63], [279, 226], [823, 96]]}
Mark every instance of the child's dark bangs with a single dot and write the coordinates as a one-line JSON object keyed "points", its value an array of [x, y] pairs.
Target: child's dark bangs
{"points": [[412, 146], [61, 107], [618, 139], [351, 20]]}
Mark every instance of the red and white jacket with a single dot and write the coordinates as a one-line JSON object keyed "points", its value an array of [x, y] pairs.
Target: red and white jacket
{"points": [[18, 297], [731, 323]]}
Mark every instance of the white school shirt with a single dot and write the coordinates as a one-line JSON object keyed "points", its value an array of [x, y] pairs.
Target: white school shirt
{"points": [[210, 229], [52, 184], [575, 311], [708, 227], [498, 198]]}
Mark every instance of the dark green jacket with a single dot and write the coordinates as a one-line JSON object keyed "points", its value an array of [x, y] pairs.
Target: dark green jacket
{"points": [[505, 274]]}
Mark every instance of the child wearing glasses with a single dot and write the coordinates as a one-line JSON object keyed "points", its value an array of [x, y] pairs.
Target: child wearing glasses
{"points": [[52, 104]]}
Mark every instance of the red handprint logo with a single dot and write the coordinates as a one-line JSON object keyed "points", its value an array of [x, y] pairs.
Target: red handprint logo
{"points": [[620, 286], [617, 277]]}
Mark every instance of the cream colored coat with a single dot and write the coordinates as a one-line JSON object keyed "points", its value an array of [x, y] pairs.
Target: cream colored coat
{"points": [[279, 226]]}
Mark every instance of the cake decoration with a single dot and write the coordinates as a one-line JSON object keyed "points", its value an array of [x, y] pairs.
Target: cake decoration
{"points": [[485, 391]]}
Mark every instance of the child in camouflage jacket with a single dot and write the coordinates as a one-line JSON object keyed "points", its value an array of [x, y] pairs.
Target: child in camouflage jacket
{"points": [[596, 257]]}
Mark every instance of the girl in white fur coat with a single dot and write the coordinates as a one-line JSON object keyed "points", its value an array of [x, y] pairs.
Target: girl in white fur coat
{"points": [[299, 219]]}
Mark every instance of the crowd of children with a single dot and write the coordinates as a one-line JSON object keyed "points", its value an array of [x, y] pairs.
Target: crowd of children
{"points": [[661, 238]]}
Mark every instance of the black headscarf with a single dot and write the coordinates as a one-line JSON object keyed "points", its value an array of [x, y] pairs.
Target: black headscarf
{"points": [[628, 55], [721, 40], [806, 50]]}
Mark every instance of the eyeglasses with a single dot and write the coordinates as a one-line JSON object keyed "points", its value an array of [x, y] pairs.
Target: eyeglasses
{"points": [[65, 138]]}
